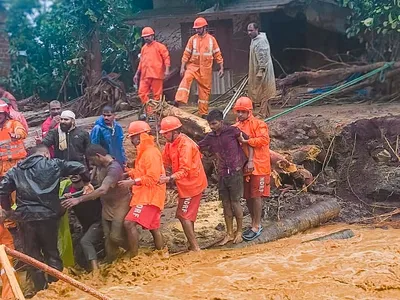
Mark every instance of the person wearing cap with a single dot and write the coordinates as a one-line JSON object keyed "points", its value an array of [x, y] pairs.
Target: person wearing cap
{"points": [[153, 67], [16, 115], [148, 197], [69, 142], [9, 96], [197, 62], [257, 180], [182, 154]]}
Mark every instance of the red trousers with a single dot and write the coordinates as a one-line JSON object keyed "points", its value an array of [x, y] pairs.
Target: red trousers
{"points": [[148, 85]]}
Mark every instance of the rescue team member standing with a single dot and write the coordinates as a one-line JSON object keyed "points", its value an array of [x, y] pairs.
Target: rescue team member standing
{"points": [[148, 197], [154, 65], [36, 180], [109, 134], [16, 115], [12, 135], [183, 155], [257, 183], [115, 199], [223, 142], [69, 141], [197, 62]]}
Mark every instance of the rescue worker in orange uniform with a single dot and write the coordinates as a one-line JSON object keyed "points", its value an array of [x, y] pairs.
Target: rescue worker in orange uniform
{"points": [[183, 155], [153, 67], [197, 61], [257, 183], [12, 135], [148, 197]]}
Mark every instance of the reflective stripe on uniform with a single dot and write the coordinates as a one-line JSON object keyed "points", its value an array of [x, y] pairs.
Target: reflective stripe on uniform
{"points": [[195, 52], [210, 45], [184, 89], [202, 101]]}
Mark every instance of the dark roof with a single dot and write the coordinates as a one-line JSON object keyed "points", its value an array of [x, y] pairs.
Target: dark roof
{"points": [[247, 6], [165, 13]]}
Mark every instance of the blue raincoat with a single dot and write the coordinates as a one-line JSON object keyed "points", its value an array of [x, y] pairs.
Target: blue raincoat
{"points": [[111, 139]]}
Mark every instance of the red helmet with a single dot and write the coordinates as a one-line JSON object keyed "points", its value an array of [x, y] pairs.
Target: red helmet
{"points": [[4, 107], [243, 103], [138, 127], [169, 124], [147, 31], [199, 23]]}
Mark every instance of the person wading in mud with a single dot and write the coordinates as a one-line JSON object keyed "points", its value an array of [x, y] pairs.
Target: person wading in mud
{"points": [[89, 216], [224, 144], [183, 155], [148, 197], [257, 182], [115, 199]]}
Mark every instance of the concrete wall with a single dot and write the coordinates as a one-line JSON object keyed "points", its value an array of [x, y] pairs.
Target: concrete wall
{"points": [[4, 47]]}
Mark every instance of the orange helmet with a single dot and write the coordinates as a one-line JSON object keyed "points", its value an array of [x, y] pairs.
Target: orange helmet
{"points": [[138, 127], [4, 107], [147, 31], [243, 103], [199, 23], [169, 124]]}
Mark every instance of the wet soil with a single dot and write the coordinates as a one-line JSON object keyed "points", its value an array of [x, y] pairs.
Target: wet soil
{"points": [[360, 171]]}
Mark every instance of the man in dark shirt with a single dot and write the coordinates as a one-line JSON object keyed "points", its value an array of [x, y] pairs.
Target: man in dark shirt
{"points": [[115, 199], [223, 143], [69, 142], [36, 181], [89, 216]]}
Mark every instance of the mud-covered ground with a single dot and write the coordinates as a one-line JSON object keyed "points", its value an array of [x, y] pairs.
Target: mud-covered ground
{"points": [[357, 164]]}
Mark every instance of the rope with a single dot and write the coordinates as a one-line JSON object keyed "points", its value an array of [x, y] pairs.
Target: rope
{"points": [[333, 91]]}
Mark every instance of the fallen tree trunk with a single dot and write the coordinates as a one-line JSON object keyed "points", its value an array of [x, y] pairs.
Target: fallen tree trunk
{"points": [[193, 125], [309, 75], [317, 214], [339, 235]]}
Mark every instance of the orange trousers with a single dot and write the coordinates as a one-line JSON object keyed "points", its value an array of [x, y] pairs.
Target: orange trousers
{"points": [[150, 84], [7, 240], [203, 85]]}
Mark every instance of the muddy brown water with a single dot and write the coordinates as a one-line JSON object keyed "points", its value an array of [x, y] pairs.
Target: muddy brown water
{"points": [[364, 267]]}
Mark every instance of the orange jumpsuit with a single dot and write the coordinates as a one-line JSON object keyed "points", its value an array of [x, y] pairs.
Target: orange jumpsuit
{"points": [[11, 151], [258, 183], [199, 55], [7, 240], [154, 57], [148, 167], [184, 156]]}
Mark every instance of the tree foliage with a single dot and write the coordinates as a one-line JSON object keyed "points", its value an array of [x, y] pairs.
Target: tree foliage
{"points": [[55, 48], [204, 4], [376, 22]]}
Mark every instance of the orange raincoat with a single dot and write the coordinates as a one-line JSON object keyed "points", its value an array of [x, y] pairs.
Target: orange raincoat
{"points": [[199, 55], [257, 130], [148, 167], [7, 240], [154, 59], [11, 151], [184, 156]]}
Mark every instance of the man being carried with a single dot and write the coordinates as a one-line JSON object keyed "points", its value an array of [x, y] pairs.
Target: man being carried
{"points": [[109, 134], [36, 180], [183, 155], [261, 70], [197, 62], [115, 199], [148, 197], [153, 67], [223, 142], [257, 182], [89, 216], [70, 142]]}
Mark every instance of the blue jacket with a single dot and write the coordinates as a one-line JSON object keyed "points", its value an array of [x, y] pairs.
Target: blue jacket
{"points": [[111, 139]]}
